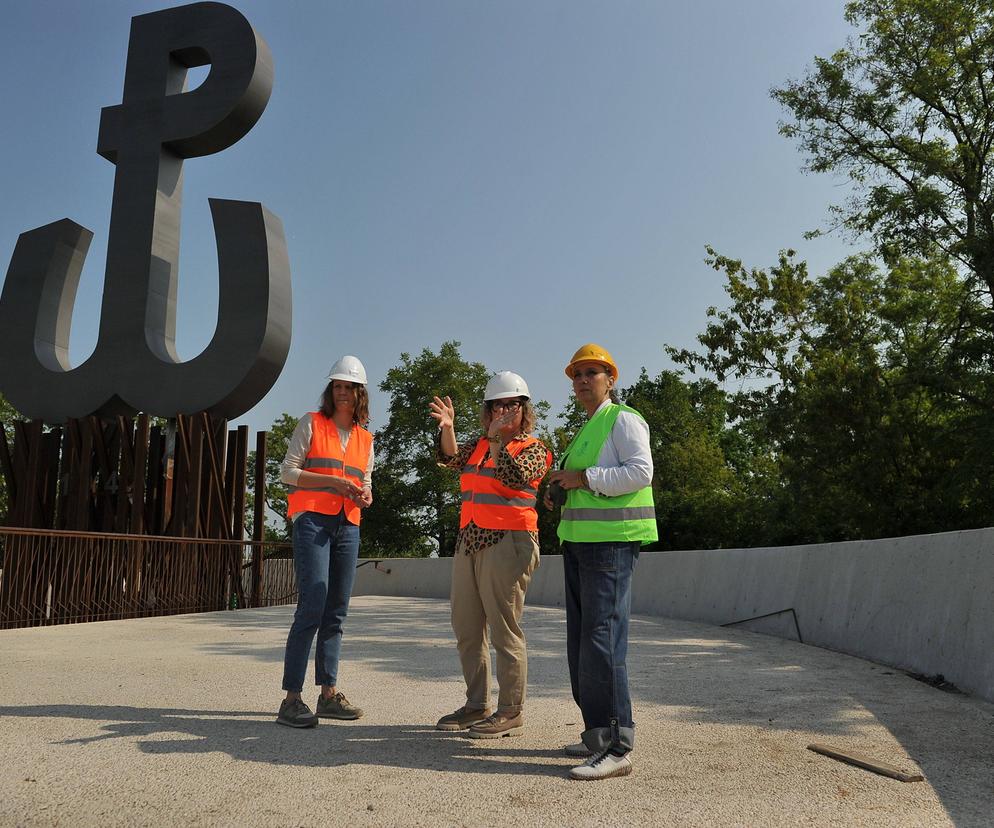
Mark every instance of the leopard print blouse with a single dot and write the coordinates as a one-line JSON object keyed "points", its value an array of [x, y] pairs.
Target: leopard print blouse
{"points": [[515, 472]]}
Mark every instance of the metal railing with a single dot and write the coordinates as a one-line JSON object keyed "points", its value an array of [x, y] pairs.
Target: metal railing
{"points": [[278, 583], [53, 577]]}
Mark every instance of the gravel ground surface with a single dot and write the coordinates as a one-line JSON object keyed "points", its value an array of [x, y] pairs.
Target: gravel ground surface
{"points": [[170, 721]]}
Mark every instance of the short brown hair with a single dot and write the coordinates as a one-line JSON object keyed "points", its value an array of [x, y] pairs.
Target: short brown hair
{"points": [[360, 416]]}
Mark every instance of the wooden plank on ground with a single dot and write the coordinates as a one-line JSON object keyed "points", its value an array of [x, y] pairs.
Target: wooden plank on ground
{"points": [[866, 763]]}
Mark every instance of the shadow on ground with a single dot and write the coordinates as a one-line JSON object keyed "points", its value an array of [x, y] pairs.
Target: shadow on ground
{"points": [[243, 736]]}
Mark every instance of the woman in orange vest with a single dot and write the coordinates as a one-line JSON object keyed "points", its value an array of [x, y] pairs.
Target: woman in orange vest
{"points": [[327, 471], [496, 552]]}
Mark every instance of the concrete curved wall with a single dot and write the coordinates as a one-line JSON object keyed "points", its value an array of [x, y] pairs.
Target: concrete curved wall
{"points": [[923, 603]]}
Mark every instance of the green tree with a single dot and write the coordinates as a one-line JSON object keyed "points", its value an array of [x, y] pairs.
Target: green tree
{"points": [[863, 397], [845, 384], [415, 502], [277, 440], [394, 525], [905, 111], [697, 494], [557, 438]]}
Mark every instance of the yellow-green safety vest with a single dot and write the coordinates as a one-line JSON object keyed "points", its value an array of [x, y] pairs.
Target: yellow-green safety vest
{"points": [[591, 518]]}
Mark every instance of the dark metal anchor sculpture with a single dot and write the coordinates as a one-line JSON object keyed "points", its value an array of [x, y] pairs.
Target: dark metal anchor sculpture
{"points": [[134, 366]]}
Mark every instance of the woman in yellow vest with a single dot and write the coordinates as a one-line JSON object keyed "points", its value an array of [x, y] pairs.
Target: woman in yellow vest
{"points": [[608, 514], [327, 471], [496, 551]]}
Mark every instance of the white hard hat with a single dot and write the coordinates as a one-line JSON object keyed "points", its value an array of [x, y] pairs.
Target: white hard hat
{"points": [[348, 368], [506, 384]]}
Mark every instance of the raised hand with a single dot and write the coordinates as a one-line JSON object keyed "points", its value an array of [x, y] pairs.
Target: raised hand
{"points": [[443, 411]]}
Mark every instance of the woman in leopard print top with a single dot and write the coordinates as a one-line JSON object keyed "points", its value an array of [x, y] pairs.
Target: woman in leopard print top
{"points": [[496, 551]]}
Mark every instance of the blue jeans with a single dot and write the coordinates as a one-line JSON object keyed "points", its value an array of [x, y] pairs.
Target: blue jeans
{"points": [[325, 551], [598, 608]]}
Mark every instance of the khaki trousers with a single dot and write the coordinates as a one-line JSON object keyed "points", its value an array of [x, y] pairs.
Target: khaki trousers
{"points": [[488, 590]]}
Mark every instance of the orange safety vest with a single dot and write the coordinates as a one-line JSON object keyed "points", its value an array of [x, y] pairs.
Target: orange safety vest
{"points": [[489, 503], [326, 456]]}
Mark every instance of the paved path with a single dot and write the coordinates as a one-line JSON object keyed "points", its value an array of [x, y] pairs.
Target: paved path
{"points": [[169, 721]]}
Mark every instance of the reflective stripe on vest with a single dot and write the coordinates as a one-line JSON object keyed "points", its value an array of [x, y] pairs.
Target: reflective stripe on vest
{"points": [[624, 513], [329, 463], [326, 456], [489, 503], [591, 518]]}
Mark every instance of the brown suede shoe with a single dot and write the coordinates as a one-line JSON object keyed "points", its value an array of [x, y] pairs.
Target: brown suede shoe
{"points": [[462, 718], [337, 707], [493, 727]]}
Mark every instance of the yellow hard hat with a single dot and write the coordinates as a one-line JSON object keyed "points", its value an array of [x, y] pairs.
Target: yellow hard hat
{"points": [[591, 352]]}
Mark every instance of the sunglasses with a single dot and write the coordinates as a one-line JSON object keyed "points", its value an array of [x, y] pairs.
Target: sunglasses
{"points": [[504, 405]]}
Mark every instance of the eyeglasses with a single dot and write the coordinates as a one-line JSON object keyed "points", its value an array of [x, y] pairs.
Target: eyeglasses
{"points": [[589, 374], [504, 405]]}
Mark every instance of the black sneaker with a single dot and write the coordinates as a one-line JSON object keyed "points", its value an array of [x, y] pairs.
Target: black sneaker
{"points": [[337, 707], [294, 713]]}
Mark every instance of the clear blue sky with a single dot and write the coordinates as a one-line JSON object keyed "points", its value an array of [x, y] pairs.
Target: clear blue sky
{"points": [[519, 175]]}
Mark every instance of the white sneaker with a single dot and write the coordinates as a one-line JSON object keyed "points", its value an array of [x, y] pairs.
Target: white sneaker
{"points": [[602, 766], [579, 750]]}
